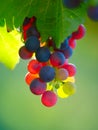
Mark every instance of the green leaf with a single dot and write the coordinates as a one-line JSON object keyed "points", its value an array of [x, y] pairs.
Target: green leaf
{"points": [[9, 46], [53, 19]]}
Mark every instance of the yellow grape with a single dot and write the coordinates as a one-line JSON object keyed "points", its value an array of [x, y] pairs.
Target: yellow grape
{"points": [[61, 93], [69, 88], [70, 79]]}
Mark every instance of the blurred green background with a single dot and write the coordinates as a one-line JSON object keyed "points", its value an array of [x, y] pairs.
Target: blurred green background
{"points": [[20, 110]]}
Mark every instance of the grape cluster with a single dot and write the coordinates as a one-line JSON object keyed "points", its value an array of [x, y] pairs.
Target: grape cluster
{"points": [[50, 75]]}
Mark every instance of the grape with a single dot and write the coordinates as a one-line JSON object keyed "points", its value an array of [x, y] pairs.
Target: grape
{"points": [[69, 88], [32, 31], [61, 93], [61, 74], [32, 43], [42, 54], [93, 12], [70, 79], [71, 3], [72, 43], [47, 73], [67, 52], [37, 87], [64, 45], [29, 77], [79, 33], [57, 58], [24, 53], [34, 66], [71, 68], [49, 98]]}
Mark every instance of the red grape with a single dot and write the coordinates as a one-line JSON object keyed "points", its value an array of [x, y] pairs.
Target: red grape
{"points": [[24, 53], [79, 33], [34, 66], [49, 98]]}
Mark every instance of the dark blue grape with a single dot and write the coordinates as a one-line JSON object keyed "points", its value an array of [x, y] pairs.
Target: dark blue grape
{"points": [[93, 12], [43, 54], [67, 52], [37, 87], [64, 45], [47, 73], [32, 43], [72, 3]]}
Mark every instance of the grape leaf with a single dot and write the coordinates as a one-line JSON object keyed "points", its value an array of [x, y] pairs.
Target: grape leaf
{"points": [[53, 19], [10, 43]]}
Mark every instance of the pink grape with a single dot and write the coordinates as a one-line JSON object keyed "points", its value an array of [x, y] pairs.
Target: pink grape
{"points": [[49, 98], [72, 43], [37, 86], [61, 74], [34, 66], [57, 58], [71, 68], [24, 53], [80, 33]]}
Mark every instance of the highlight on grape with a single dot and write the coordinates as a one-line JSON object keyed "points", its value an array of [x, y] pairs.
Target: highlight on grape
{"points": [[50, 75]]}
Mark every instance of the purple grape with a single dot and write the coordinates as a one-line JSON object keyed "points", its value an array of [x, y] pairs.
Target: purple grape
{"points": [[37, 87], [93, 12], [32, 43], [42, 54], [68, 52], [47, 73], [24, 53], [57, 58]]}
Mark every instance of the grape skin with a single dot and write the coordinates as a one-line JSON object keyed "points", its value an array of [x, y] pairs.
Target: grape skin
{"points": [[61, 74], [57, 58], [71, 68], [24, 53], [49, 98], [37, 87], [80, 33], [34, 66], [47, 73], [42, 54], [32, 43]]}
